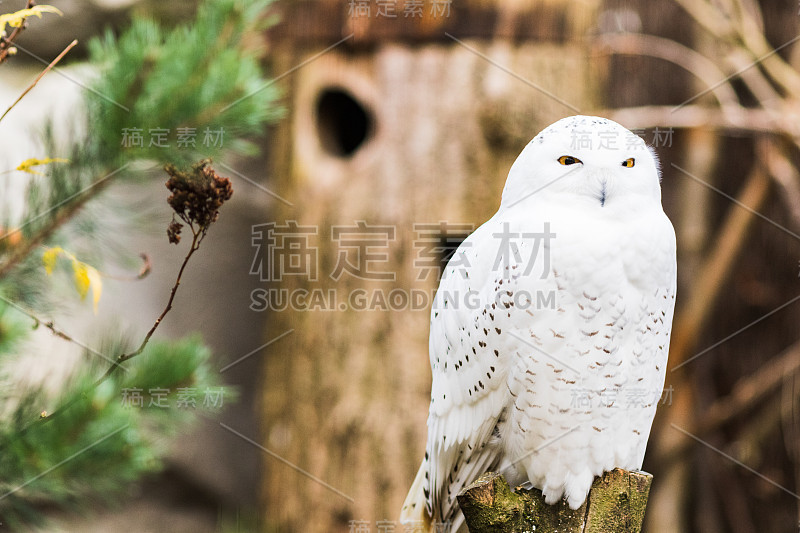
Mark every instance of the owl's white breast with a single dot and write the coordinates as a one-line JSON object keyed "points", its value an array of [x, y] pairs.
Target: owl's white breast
{"points": [[589, 347]]}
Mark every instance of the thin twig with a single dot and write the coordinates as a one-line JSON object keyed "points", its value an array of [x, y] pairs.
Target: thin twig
{"points": [[785, 174], [744, 34], [754, 79], [143, 272], [198, 237], [690, 60], [50, 324], [735, 119], [39, 321], [47, 69]]}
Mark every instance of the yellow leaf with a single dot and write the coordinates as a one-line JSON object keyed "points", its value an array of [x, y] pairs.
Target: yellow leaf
{"points": [[49, 259], [16, 19], [86, 277], [97, 285], [26, 165], [82, 281]]}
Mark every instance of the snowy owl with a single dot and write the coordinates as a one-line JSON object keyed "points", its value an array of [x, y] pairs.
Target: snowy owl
{"points": [[550, 328]]}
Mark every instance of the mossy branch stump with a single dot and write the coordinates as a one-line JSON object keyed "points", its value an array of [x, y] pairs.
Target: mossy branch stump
{"points": [[616, 504]]}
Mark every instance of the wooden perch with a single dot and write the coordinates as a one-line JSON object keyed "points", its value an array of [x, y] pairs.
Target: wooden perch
{"points": [[616, 504]]}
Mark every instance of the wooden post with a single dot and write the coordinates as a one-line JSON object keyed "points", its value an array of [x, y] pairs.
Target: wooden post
{"points": [[616, 504]]}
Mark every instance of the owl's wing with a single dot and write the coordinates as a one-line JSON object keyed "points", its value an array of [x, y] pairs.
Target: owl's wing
{"points": [[469, 366]]}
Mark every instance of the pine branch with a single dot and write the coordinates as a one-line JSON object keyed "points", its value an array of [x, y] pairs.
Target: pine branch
{"points": [[149, 72], [122, 357], [196, 198], [79, 456], [91, 445], [64, 212]]}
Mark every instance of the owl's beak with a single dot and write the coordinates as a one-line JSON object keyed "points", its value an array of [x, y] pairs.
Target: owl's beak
{"points": [[599, 187]]}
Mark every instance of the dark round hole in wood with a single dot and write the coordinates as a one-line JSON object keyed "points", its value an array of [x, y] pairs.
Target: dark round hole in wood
{"points": [[342, 122]]}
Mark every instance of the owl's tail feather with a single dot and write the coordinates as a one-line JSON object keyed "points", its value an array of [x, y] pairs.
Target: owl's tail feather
{"points": [[414, 512]]}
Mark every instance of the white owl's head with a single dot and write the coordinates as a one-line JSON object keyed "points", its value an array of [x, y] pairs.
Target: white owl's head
{"points": [[593, 159]]}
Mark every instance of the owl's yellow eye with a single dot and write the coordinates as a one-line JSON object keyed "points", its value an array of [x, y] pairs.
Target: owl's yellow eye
{"points": [[629, 162], [569, 160]]}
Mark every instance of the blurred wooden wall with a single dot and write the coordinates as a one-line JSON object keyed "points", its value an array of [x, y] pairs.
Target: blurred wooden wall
{"points": [[699, 489], [346, 394]]}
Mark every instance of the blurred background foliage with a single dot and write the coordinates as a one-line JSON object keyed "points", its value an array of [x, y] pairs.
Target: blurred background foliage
{"points": [[73, 438]]}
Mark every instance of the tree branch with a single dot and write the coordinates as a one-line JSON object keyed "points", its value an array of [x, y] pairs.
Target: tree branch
{"points": [[63, 214], [616, 504]]}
